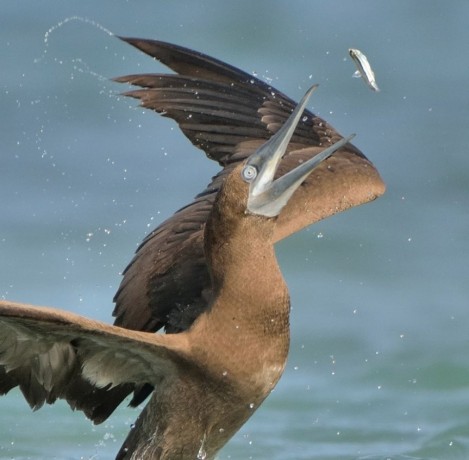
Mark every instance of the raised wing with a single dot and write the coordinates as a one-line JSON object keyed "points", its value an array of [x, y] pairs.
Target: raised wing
{"points": [[218, 106], [51, 354], [229, 114]]}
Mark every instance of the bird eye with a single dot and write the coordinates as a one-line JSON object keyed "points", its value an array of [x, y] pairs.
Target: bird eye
{"points": [[249, 173]]}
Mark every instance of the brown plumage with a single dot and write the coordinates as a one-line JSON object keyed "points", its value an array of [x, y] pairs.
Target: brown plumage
{"points": [[197, 274], [204, 392], [228, 114]]}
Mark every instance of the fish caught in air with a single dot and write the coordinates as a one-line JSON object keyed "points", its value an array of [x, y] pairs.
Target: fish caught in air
{"points": [[364, 69]]}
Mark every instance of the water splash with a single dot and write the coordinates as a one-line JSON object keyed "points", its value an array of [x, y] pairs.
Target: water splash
{"points": [[62, 23], [81, 66], [202, 454], [72, 66]]}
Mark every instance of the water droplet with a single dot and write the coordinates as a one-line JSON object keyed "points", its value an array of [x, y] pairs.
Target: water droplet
{"points": [[202, 455]]}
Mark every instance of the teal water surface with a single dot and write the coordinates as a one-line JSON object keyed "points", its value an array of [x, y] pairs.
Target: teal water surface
{"points": [[379, 361]]}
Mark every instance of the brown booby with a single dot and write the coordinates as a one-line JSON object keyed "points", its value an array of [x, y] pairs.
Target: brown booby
{"points": [[227, 113], [203, 392]]}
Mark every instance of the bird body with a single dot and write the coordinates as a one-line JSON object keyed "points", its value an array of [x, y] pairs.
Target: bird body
{"points": [[213, 263], [229, 114], [205, 392], [250, 318]]}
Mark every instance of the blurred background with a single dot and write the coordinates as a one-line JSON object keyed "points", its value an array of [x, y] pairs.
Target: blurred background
{"points": [[379, 362]]}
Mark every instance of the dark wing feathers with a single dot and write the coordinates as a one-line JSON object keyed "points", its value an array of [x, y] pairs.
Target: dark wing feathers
{"points": [[185, 61], [168, 271], [216, 116], [51, 354], [229, 114]]}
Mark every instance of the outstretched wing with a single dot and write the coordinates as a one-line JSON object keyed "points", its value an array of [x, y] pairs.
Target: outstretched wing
{"points": [[229, 114], [217, 106], [51, 354]]}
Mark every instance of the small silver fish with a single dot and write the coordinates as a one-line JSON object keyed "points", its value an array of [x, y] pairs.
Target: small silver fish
{"points": [[364, 69]]}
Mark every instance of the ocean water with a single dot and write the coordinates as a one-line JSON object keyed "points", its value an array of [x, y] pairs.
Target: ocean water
{"points": [[379, 362]]}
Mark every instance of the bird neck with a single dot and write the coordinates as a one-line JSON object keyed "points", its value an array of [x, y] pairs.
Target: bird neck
{"points": [[243, 266], [250, 308]]}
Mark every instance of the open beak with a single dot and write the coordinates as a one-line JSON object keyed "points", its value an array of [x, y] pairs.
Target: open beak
{"points": [[267, 196]]}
